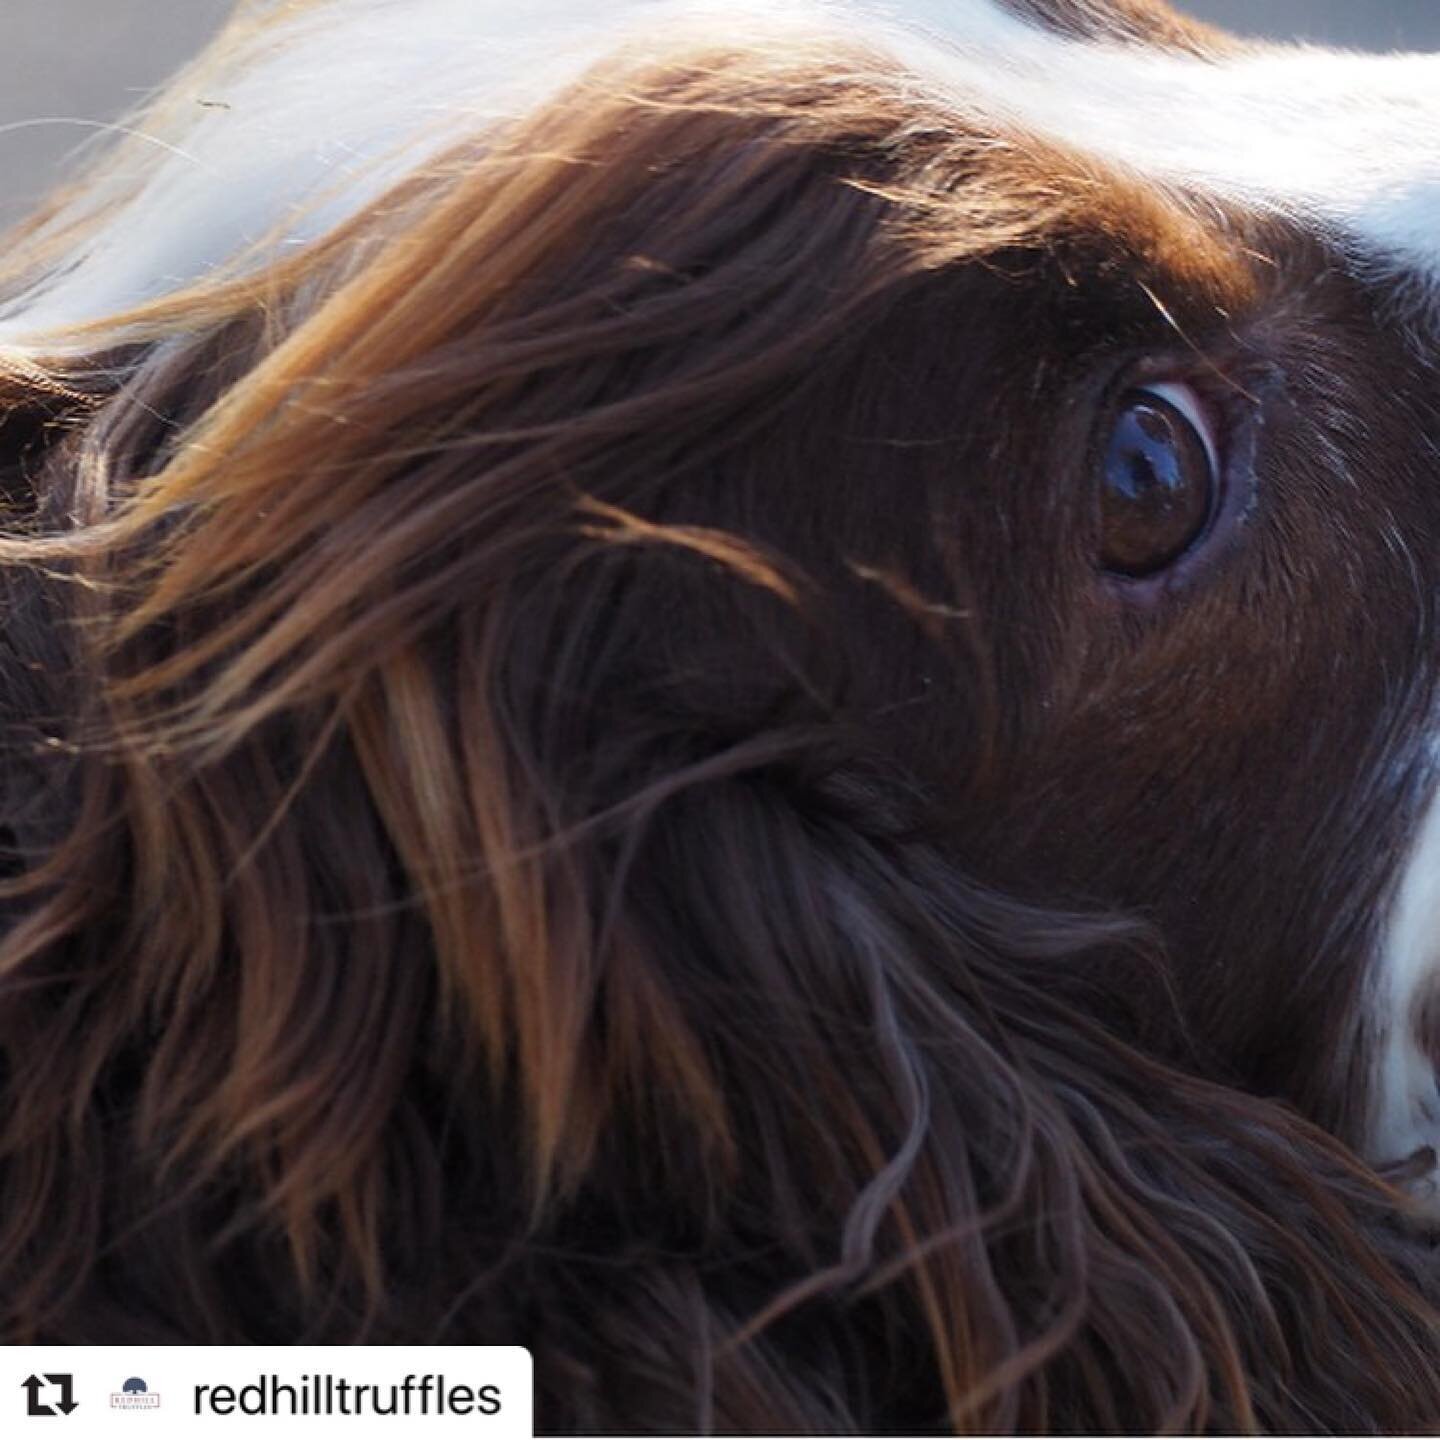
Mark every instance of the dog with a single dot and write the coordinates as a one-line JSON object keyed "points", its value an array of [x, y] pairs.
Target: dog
{"points": [[745, 693]]}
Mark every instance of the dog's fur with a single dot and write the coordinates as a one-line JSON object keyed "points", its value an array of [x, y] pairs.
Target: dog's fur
{"points": [[574, 779]]}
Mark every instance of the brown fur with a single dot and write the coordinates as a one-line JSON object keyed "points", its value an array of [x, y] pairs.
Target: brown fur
{"points": [[1144, 22], [573, 784]]}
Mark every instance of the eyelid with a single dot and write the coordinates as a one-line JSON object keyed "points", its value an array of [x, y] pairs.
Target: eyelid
{"points": [[1189, 403]]}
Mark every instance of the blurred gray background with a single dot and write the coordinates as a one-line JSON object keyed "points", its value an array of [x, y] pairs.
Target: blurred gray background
{"points": [[67, 64]]}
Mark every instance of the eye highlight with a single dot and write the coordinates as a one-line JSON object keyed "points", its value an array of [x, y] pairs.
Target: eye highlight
{"points": [[1159, 479]]}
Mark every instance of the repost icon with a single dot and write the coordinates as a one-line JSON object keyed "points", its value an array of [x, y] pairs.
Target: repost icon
{"points": [[53, 1395]]}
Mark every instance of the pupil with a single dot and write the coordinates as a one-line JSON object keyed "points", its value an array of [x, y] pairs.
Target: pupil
{"points": [[1142, 474]]}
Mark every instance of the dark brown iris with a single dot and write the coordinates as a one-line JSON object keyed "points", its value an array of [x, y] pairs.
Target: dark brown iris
{"points": [[1157, 487]]}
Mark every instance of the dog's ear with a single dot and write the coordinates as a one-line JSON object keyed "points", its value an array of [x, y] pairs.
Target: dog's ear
{"points": [[324, 945]]}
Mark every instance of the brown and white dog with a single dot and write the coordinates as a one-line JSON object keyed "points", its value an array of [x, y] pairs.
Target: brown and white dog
{"points": [[748, 693]]}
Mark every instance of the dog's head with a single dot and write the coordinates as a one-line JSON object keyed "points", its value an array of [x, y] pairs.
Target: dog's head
{"points": [[747, 694]]}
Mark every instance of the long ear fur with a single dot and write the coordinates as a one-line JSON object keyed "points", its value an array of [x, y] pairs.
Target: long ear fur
{"points": [[473, 913]]}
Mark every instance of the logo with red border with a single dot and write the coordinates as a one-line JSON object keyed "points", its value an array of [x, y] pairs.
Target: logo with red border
{"points": [[134, 1394]]}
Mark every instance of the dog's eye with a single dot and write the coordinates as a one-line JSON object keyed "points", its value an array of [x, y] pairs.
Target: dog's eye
{"points": [[1159, 480]]}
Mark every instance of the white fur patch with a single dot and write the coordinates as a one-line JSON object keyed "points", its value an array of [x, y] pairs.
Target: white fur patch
{"points": [[1406, 1112], [304, 125], [1348, 141]]}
